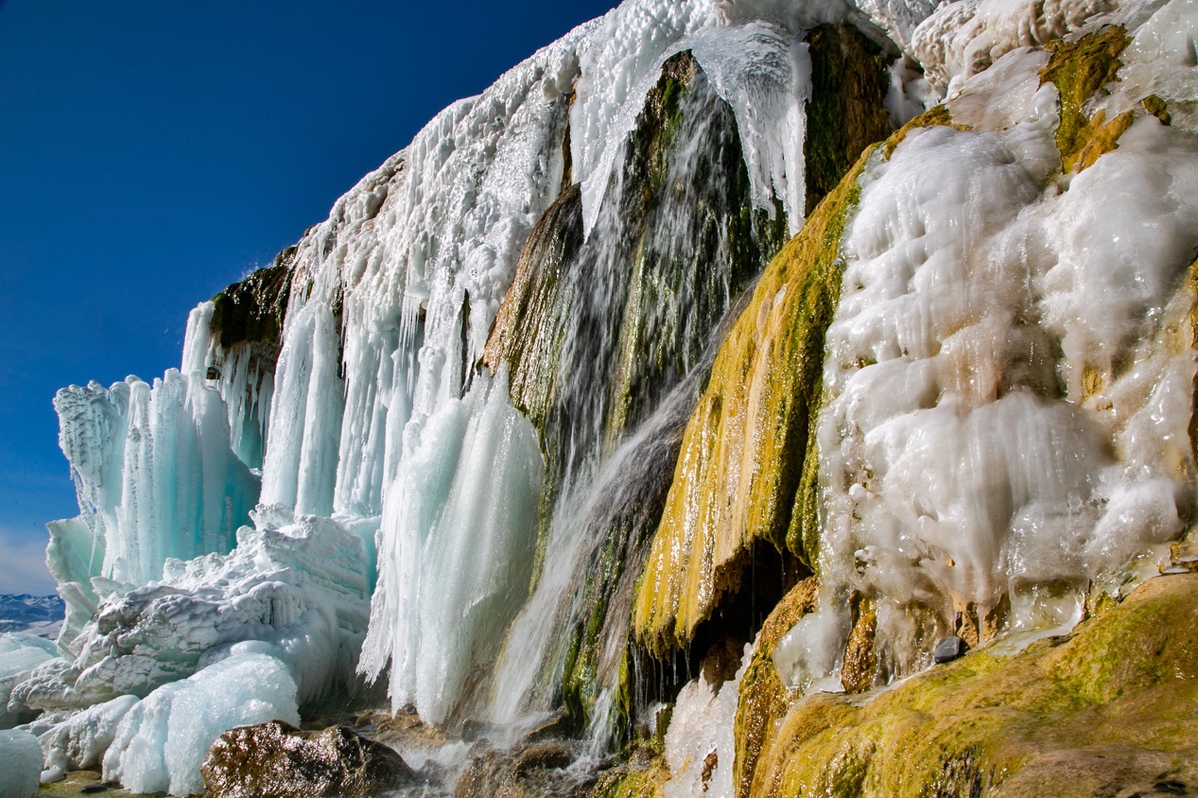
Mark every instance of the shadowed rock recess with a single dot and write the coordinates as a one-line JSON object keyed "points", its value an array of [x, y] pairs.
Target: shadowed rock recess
{"points": [[658, 420]]}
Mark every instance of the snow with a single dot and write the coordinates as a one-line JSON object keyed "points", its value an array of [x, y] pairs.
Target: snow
{"points": [[161, 742], [22, 764]]}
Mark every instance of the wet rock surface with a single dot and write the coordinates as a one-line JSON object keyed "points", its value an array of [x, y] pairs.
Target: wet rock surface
{"points": [[276, 760], [531, 769]]}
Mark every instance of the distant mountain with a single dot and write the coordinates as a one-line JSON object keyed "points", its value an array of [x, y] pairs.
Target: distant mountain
{"points": [[41, 615]]}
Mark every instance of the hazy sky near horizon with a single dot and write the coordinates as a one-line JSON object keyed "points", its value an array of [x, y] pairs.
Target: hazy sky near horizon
{"points": [[152, 153]]}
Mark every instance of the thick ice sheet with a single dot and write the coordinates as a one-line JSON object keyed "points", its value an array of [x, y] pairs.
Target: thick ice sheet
{"points": [[160, 743], [295, 588]]}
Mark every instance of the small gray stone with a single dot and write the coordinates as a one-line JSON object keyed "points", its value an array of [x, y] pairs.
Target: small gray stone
{"points": [[949, 649]]}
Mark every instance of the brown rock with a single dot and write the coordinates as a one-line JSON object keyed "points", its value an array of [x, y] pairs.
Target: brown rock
{"points": [[276, 760]]}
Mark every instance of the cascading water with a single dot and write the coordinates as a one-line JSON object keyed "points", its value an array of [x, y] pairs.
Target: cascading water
{"points": [[634, 315]]}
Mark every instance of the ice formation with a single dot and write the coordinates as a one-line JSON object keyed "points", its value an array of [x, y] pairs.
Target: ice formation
{"points": [[1005, 421], [339, 485], [160, 743], [297, 589], [22, 764], [19, 655], [82, 740]]}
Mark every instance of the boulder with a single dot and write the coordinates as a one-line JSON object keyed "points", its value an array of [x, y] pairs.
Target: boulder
{"points": [[277, 760]]}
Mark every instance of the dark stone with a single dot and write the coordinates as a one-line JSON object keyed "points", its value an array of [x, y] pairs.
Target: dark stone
{"points": [[1171, 787], [277, 760], [949, 649], [92, 788]]}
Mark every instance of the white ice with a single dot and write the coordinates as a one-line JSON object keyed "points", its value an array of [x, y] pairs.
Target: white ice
{"points": [[19, 655], [296, 588], [963, 458], [82, 740], [161, 741], [20, 764]]}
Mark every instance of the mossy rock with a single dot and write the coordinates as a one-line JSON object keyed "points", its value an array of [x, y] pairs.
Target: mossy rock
{"points": [[252, 311], [1080, 70], [745, 448], [1106, 710], [846, 112], [763, 699]]}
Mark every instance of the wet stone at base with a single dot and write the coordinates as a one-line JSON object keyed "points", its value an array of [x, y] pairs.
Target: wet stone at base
{"points": [[276, 760]]}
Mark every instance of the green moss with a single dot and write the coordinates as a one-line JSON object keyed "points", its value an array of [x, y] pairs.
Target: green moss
{"points": [[1079, 70], [1157, 107], [647, 781], [846, 112], [763, 699], [1106, 710], [745, 450], [939, 116]]}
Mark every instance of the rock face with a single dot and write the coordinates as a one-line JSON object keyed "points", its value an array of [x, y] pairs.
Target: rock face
{"points": [[277, 760], [1106, 710]]}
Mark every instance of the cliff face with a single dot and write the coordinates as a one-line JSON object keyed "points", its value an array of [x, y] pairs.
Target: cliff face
{"points": [[688, 387]]}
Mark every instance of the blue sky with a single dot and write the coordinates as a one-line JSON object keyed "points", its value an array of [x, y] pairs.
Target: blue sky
{"points": [[153, 152]]}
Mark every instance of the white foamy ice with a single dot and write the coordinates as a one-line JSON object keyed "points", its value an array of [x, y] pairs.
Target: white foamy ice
{"points": [[703, 725], [298, 589], [964, 38], [81, 741], [755, 62], [161, 741], [20, 653], [20, 764], [993, 427], [1160, 60]]}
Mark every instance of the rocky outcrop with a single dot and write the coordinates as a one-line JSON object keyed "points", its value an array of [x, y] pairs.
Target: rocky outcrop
{"points": [[1105, 710], [277, 760]]}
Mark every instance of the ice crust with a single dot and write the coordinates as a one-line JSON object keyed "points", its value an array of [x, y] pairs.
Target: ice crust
{"points": [[297, 589], [19, 655], [82, 740], [963, 459]]}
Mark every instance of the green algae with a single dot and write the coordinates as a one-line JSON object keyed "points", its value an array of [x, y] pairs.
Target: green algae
{"points": [[744, 450], [1079, 70], [846, 112], [1105, 708]]}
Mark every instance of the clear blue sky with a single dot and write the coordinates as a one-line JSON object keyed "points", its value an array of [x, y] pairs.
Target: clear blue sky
{"points": [[152, 152]]}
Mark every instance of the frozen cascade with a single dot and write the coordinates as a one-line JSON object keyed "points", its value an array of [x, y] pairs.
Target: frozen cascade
{"points": [[455, 557], [155, 476], [482, 364], [1007, 427]]}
